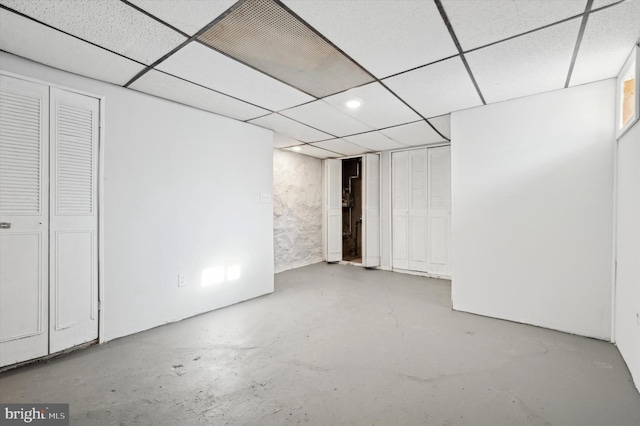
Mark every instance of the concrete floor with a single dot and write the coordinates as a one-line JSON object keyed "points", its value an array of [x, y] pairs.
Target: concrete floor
{"points": [[339, 345]]}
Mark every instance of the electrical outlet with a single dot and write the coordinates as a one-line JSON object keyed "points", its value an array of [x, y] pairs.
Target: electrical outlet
{"points": [[265, 197], [182, 280]]}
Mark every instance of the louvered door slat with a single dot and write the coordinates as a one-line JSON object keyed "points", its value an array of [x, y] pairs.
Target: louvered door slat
{"points": [[20, 130], [19, 106], [18, 160], [75, 158], [12, 142], [72, 164], [16, 152], [20, 152]]}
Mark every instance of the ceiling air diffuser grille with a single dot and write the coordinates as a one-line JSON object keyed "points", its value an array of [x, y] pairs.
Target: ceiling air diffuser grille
{"points": [[266, 36]]}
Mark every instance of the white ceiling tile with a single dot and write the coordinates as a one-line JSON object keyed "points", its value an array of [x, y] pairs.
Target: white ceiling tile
{"points": [[189, 16], [284, 141], [608, 38], [380, 108], [477, 23], [289, 127], [31, 40], [209, 68], [385, 37], [375, 141], [442, 124], [534, 63], [165, 86], [437, 89], [108, 23], [324, 117], [341, 146], [413, 134], [314, 151]]}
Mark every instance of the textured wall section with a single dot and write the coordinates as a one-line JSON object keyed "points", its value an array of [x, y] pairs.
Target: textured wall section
{"points": [[297, 210]]}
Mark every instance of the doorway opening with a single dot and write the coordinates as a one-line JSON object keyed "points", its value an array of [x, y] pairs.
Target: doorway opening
{"points": [[352, 210]]}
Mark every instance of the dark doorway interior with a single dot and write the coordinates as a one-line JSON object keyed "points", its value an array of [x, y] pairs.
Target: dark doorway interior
{"points": [[352, 210]]}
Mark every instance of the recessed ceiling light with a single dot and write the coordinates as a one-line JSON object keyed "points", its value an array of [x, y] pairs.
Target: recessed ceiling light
{"points": [[354, 103], [297, 148]]}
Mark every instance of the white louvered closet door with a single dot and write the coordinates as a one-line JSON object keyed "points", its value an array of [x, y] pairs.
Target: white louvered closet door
{"points": [[421, 203], [371, 213], [333, 170], [439, 210], [24, 210], [73, 220], [400, 209], [418, 209]]}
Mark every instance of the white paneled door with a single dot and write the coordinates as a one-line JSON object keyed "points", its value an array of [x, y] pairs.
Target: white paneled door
{"points": [[333, 170], [418, 237], [73, 220], [48, 211], [400, 209], [24, 217], [439, 213], [371, 213], [421, 210]]}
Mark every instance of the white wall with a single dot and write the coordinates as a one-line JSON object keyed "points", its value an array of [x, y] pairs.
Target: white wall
{"points": [[627, 317], [297, 210], [532, 183], [181, 195]]}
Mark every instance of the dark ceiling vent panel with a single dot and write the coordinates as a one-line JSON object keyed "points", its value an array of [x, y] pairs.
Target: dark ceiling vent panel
{"points": [[268, 37]]}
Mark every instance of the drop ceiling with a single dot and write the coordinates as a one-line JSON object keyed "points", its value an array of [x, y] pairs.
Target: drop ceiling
{"points": [[291, 65]]}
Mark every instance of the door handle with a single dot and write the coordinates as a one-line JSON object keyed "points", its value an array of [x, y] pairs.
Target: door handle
{"points": [[5, 225]]}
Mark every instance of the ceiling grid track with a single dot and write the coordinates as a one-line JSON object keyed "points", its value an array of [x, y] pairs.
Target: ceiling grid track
{"points": [[324, 149], [460, 51], [420, 66], [412, 109], [156, 63], [583, 25], [218, 92], [155, 18], [311, 127], [374, 131]]}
